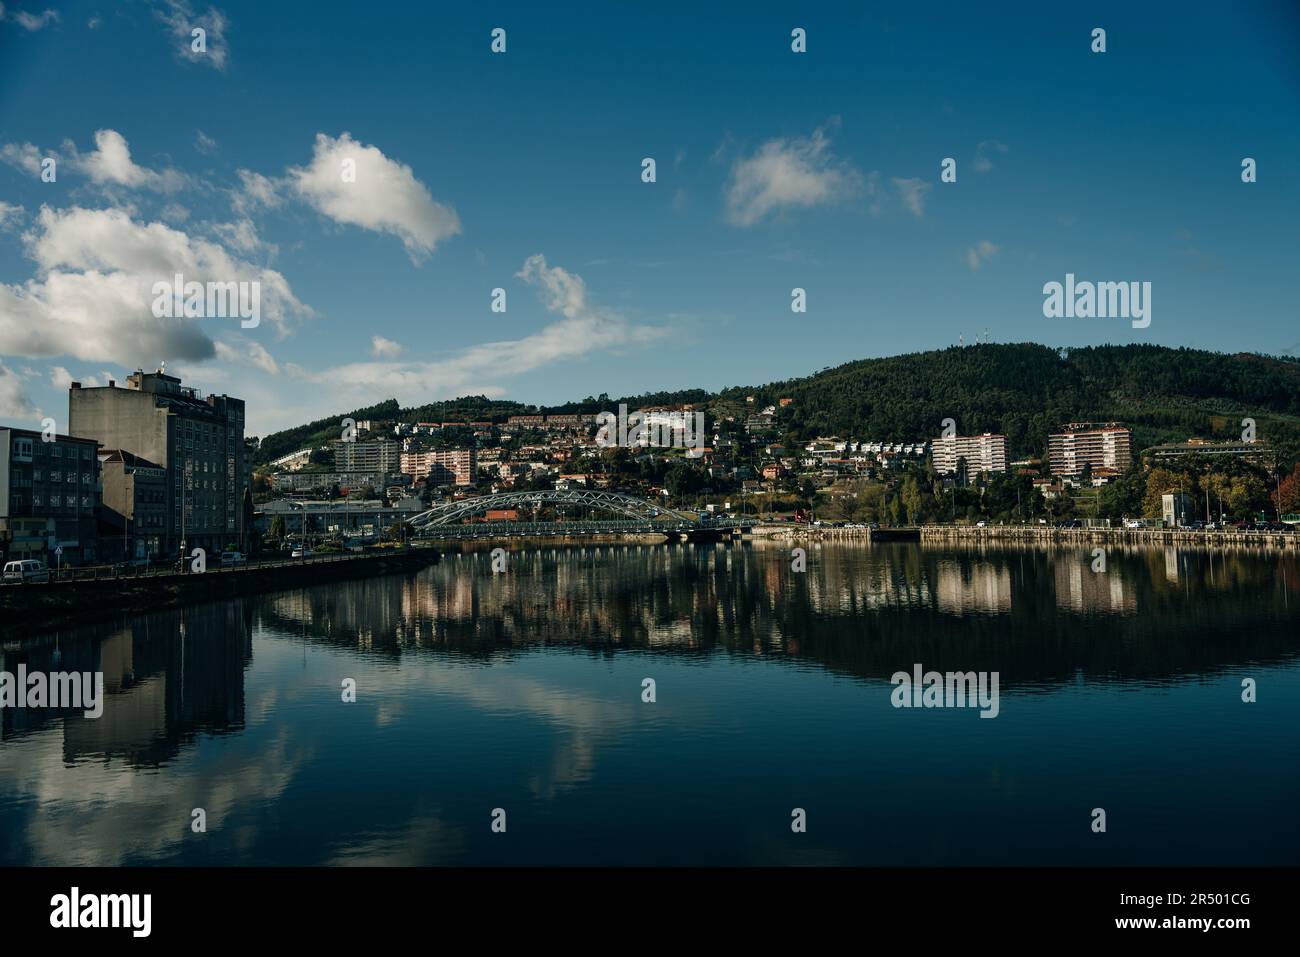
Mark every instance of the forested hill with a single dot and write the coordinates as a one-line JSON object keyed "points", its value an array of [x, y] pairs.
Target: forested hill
{"points": [[1023, 390], [1027, 390]]}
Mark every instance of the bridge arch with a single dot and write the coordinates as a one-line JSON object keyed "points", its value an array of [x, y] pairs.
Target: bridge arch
{"points": [[630, 507]]}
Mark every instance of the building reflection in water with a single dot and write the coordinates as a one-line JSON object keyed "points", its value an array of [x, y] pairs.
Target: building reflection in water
{"points": [[174, 675]]}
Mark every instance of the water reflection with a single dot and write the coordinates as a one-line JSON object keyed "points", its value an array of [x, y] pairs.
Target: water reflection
{"points": [[479, 690]]}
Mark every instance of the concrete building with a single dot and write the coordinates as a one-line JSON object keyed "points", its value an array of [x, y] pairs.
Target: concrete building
{"points": [[445, 467], [372, 455], [1257, 452], [1084, 444], [983, 453], [1176, 509], [134, 500], [49, 497], [318, 519], [308, 481], [197, 439], [293, 461]]}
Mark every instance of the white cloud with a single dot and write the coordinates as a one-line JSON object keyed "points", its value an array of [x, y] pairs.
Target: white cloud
{"points": [[92, 295], [242, 237], [60, 377], [787, 173], [983, 162], [33, 22], [980, 253], [14, 403], [385, 197], [111, 163], [175, 213], [254, 356], [257, 191], [181, 21], [10, 213], [24, 156], [582, 329], [204, 143], [382, 348], [912, 192]]}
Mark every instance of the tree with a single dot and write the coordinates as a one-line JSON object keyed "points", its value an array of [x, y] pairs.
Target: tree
{"points": [[277, 529], [911, 498], [1288, 492]]}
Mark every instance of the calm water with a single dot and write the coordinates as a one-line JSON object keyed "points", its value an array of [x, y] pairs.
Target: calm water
{"points": [[522, 691]]}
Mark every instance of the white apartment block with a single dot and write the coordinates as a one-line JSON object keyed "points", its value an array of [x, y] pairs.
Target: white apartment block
{"points": [[983, 453]]}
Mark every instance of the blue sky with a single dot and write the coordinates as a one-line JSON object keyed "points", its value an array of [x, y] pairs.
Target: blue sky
{"points": [[522, 171]]}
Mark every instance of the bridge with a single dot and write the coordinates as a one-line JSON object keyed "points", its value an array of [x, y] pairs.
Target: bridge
{"points": [[592, 511]]}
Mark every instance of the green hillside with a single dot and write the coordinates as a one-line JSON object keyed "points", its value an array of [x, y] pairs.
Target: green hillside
{"points": [[1028, 390], [1023, 390]]}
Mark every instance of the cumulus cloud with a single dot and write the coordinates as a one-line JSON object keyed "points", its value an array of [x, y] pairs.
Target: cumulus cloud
{"points": [[24, 156], [912, 193], [980, 253], [181, 21], [384, 197], [91, 297], [14, 403], [583, 328], [984, 154], [382, 348], [109, 164], [788, 173]]}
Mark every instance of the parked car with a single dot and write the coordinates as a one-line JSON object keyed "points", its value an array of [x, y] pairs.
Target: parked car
{"points": [[233, 558], [981, 524], [302, 552], [26, 570]]}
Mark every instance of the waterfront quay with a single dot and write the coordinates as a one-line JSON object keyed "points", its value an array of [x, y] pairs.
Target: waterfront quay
{"points": [[1033, 535], [97, 593]]}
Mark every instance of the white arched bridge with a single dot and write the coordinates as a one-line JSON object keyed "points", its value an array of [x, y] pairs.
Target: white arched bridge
{"points": [[570, 512]]}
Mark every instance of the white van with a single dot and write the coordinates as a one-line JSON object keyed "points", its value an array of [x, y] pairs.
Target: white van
{"points": [[26, 570], [232, 558]]}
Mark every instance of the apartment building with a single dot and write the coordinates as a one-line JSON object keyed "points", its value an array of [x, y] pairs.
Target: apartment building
{"points": [[1089, 445], [197, 439], [134, 500], [983, 453], [49, 496], [371, 455], [444, 467]]}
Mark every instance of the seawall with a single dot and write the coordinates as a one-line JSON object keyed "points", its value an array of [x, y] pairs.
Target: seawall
{"points": [[30, 609]]}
